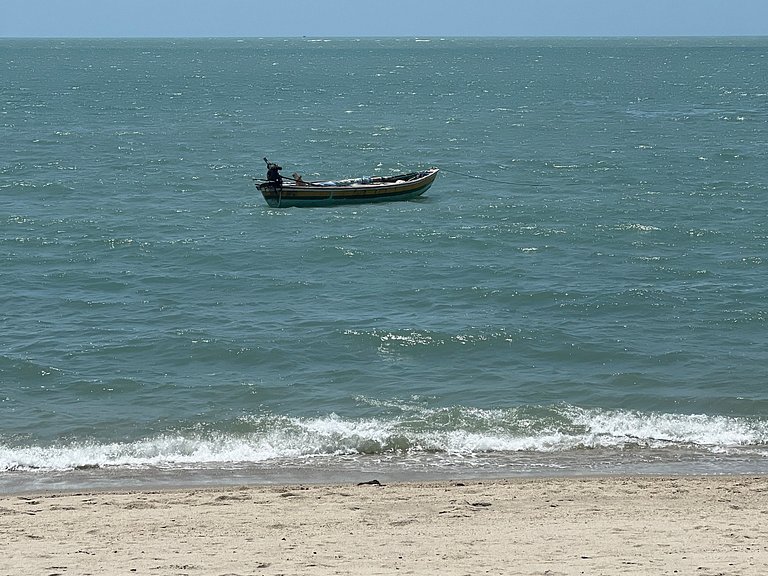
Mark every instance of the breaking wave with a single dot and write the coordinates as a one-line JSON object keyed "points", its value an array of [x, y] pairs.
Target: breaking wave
{"points": [[405, 431]]}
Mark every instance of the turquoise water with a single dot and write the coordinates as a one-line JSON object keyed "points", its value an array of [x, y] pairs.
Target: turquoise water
{"points": [[582, 290]]}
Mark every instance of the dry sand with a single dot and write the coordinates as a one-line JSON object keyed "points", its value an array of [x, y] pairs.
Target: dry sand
{"points": [[638, 525]]}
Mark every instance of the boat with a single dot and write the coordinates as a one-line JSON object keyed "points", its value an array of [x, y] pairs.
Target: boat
{"points": [[296, 192]]}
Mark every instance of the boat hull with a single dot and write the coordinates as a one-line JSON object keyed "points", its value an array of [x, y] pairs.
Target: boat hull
{"points": [[358, 191]]}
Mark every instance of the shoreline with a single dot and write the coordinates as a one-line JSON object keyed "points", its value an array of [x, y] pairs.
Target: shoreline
{"points": [[542, 525], [581, 464]]}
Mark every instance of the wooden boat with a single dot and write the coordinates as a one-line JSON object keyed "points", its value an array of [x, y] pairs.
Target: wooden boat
{"points": [[350, 191]]}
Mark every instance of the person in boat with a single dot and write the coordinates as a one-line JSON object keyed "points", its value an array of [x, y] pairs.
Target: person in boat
{"points": [[273, 173], [297, 178]]}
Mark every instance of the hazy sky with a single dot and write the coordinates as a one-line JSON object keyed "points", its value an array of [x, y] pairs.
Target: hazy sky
{"points": [[249, 18]]}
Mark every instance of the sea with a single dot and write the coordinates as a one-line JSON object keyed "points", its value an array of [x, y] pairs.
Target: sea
{"points": [[583, 290]]}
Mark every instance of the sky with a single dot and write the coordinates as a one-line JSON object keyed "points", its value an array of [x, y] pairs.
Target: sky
{"points": [[404, 18]]}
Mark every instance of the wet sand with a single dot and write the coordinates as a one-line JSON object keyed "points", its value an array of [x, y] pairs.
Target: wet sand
{"points": [[546, 526]]}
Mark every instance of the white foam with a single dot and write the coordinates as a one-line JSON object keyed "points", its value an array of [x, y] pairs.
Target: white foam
{"points": [[413, 430]]}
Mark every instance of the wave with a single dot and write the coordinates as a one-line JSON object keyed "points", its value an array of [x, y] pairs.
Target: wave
{"points": [[408, 431]]}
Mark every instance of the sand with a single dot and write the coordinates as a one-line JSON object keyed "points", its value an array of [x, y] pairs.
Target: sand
{"points": [[638, 525]]}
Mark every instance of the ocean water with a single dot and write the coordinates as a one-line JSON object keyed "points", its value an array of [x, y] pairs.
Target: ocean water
{"points": [[582, 291]]}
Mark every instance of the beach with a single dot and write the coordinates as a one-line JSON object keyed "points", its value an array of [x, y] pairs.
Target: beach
{"points": [[705, 525]]}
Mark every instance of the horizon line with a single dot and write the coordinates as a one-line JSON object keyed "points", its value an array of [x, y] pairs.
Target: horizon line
{"points": [[390, 37]]}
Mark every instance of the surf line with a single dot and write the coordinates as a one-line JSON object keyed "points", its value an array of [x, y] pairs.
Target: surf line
{"points": [[476, 177]]}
